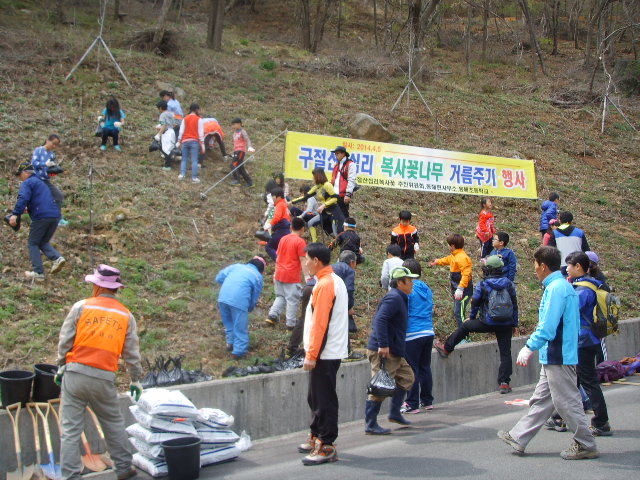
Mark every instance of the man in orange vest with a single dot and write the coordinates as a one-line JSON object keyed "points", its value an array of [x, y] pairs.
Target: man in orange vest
{"points": [[96, 333]]}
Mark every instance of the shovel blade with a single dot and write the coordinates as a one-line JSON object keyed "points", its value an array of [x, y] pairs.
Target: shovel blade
{"points": [[51, 470], [27, 472], [93, 462], [15, 475]]}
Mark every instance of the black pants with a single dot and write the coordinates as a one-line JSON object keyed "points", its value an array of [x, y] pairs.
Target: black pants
{"points": [[215, 138], [238, 158], [323, 400], [503, 335], [343, 206], [110, 132], [588, 378]]}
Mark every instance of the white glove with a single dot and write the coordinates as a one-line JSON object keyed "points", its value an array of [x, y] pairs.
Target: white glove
{"points": [[459, 294], [157, 137], [267, 226], [251, 150], [99, 118], [416, 247], [117, 124], [50, 163], [524, 356]]}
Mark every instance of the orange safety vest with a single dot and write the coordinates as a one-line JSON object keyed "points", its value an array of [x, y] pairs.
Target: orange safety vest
{"points": [[100, 334], [191, 128], [213, 127]]}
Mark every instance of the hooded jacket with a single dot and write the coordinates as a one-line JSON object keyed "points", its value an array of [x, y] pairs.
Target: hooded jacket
{"points": [[36, 196], [510, 262], [420, 311], [241, 286], [549, 212], [588, 300], [569, 239], [481, 298]]}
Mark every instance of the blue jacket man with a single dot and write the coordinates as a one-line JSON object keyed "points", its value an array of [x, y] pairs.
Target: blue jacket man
{"points": [[36, 197], [549, 212], [568, 238], [556, 339], [241, 287], [510, 262]]}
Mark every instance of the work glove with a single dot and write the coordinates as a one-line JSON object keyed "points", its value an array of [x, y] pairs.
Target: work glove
{"points": [[50, 163], [459, 294], [99, 118], [157, 137], [416, 247], [135, 389], [117, 124], [251, 150], [524, 356], [57, 379]]}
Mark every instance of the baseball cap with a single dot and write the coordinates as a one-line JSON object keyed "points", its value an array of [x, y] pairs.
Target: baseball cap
{"points": [[494, 261], [592, 256], [402, 272], [24, 167]]}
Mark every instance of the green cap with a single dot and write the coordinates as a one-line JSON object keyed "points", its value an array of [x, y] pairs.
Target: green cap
{"points": [[494, 261], [402, 272]]}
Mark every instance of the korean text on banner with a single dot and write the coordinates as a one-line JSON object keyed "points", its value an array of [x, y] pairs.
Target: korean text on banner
{"points": [[413, 168]]}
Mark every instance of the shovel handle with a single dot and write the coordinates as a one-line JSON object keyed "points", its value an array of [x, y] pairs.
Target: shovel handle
{"points": [[36, 434], [44, 417], [97, 422], [16, 433]]}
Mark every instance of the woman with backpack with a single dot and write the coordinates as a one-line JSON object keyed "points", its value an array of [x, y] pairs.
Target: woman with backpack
{"points": [[495, 304]]}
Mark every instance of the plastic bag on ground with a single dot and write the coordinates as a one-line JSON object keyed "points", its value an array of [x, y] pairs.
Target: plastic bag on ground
{"points": [[217, 455], [214, 418], [164, 424], [244, 443], [147, 449], [173, 403], [153, 466], [148, 436]]}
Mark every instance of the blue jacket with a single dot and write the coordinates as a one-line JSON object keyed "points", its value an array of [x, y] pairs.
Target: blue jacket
{"points": [[556, 335], [241, 286], [36, 196], [481, 297], [549, 212], [570, 239], [510, 262], [420, 312], [389, 325], [588, 300], [348, 276]]}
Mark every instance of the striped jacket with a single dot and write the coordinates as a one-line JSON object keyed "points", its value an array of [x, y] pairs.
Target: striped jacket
{"points": [[326, 323]]}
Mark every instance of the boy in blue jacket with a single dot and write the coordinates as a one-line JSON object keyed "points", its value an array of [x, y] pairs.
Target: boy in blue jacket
{"points": [[556, 337], [549, 211], [502, 321], [500, 242], [419, 342], [241, 287]]}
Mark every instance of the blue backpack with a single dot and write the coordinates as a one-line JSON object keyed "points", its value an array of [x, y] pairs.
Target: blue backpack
{"points": [[499, 307]]}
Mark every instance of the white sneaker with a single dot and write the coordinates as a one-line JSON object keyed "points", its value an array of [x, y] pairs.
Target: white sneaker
{"points": [[195, 180], [180, 177], [34, 276], [58, 264]]}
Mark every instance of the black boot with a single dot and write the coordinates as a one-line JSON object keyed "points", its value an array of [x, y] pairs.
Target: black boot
{"points": [[371, 411], [396, 403]]}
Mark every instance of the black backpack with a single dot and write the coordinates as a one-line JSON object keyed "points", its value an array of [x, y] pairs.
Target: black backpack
{"points": [[499, 307]]}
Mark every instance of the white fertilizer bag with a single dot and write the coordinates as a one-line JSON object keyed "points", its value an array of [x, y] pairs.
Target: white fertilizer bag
{"points": [[214, 418], [157, 424], [212, 437], [217, 455], [147, 449], [148, 436], [173, 403], [153, 466]]}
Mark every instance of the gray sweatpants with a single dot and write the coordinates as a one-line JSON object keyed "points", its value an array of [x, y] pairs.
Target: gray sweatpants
{"points": [[78, 391], [287, 294], [557, 388]]}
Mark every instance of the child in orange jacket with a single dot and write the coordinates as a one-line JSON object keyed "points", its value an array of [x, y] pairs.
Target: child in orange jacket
{"points": [[461, 284], [486, 227], [406, 236]]}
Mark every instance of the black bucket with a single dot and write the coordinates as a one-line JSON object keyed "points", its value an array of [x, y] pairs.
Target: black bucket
{"points": [[44, 388], [15, 386], [183, 458]]}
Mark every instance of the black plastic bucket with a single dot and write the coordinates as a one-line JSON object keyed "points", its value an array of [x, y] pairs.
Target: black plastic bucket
{"points": [[44, 388], [183, 458], [15, 386]]}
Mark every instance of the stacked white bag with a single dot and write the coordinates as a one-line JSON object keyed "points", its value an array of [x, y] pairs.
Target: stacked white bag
{"points": [[167, 414]]}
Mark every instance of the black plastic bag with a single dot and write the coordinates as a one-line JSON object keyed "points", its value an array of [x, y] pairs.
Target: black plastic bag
{"points": [[175, 374], [381, 384], [99, 129], [263, 235], [163, 379], [155, 145], [149, 380]]}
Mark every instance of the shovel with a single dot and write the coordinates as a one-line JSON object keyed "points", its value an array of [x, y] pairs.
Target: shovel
{"points": [[104, 456], [21, 473], [38, 474], [89, 459], [51, 470]]}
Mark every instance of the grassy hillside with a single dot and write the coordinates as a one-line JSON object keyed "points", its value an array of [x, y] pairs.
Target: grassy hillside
{"points": [[171, 243]]}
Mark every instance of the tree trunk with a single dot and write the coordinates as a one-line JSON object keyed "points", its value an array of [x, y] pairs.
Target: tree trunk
{"points": [[162, 25], [58, 14], [116, 10], [215, 25], [306, 24], [555, 4], [339, 17], [375, 22], [313, 29], [485, 28], [599, 8], [532, 34], [467, 41], [415, 9]]}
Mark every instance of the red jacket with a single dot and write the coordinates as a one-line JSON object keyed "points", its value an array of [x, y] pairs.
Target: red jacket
{"points": [[486, 228]]}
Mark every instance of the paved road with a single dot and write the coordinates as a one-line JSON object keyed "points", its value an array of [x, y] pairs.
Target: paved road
{"points": [[455, 440]]}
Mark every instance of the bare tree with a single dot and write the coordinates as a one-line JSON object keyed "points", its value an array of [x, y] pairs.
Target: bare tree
{"points": [[552, 7], [524, 5], [485, 28], [216, 23], [313, 28], [467, 39], [162, 25], [596, 13]]}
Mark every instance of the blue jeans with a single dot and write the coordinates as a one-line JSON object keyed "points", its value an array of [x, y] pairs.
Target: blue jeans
{"points": [[418, 355], [40, 233], [236, 327], [190, 149]]}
